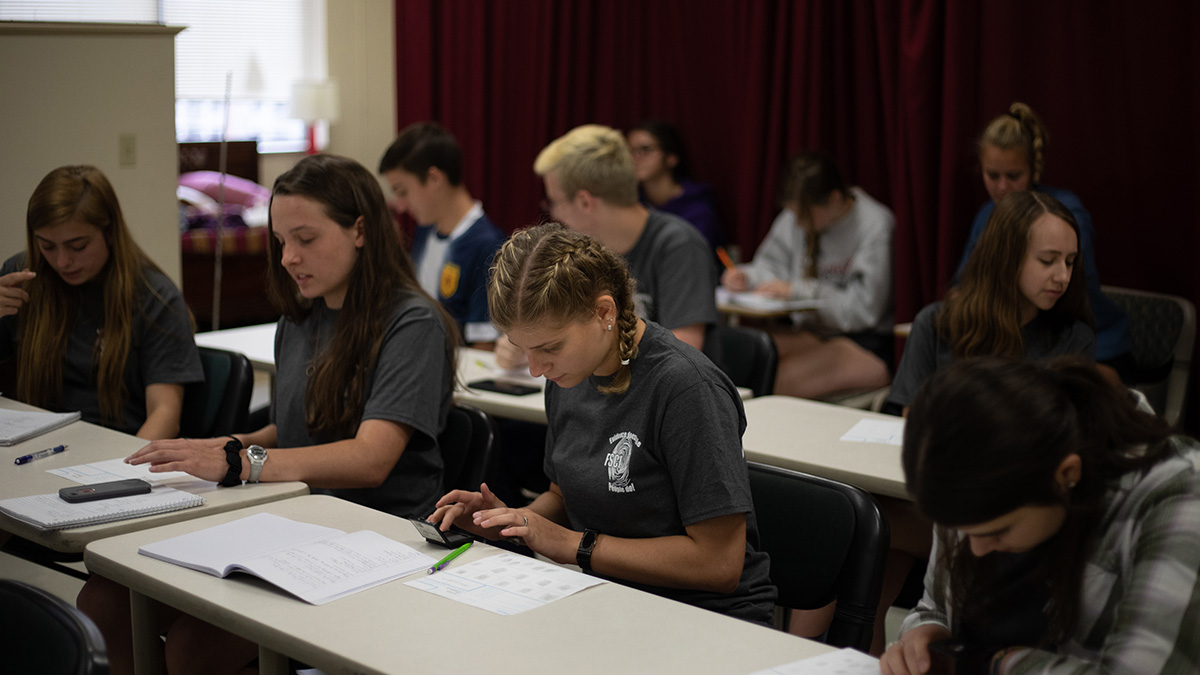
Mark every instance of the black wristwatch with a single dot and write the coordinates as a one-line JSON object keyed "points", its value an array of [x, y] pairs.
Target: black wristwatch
{"points": [[586, 545], [233, 456]]}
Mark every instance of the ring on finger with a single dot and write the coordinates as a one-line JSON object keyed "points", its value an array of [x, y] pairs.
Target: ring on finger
{"points": [[526, 520]]}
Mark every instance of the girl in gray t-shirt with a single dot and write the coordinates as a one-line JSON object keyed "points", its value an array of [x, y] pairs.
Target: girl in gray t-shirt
{"points": [[648, 484]]}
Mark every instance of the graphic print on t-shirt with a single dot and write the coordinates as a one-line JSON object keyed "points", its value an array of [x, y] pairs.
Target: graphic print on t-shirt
{"points": [[617, 461], [449, 281]]}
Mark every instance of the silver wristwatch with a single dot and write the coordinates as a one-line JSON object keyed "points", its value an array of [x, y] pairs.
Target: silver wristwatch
{"points": [[257, 455]]}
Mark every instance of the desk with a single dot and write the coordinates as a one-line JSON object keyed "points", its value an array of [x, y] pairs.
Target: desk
{"points": [[804, 435], [91, 443], [256, 342], [394, 628]]}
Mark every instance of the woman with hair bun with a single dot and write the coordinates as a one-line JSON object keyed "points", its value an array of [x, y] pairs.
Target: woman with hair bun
{"points": [[648, 484]]}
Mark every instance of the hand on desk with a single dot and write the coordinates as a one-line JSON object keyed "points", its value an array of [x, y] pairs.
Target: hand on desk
{"points": [[458, 507], [12, 296], [910, 655], [775, 288], [508, 355], [735, 280], [200, 457]]}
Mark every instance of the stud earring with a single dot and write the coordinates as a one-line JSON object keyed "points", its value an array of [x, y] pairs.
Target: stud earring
{"points": [[610, 327], [1071, 485]]}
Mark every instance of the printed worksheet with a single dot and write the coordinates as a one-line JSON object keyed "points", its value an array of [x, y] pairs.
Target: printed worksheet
{"points": [[888, 432], [113, 469], [506, 583], [842, 662]]}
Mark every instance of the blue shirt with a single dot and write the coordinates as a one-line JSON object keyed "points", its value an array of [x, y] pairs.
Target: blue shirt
{"points": [[462, 288]]}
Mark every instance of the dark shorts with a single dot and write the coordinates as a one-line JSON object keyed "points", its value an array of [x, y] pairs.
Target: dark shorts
{"points": [[882, 345]]}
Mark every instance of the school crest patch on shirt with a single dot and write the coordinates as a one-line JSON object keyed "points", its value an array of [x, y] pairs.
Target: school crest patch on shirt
{"points": [[617, 461], [451, 273]]}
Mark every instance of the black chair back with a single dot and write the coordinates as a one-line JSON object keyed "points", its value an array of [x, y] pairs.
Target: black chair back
{"points": [[221, 404], [42, 633], [827, 541], [466, 445], [747, 355]]}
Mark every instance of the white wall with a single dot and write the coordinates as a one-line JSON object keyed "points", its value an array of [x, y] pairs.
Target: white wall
{"points": [[362, 58], [67, 94]]}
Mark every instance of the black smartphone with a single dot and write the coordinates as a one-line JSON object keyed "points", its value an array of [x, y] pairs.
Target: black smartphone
{"points": [[116, 488], [502, 387], [434, 535]]}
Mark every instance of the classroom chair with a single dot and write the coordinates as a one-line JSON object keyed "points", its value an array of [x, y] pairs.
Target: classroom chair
{"points": [[1163, 328], [42, 633], [466, 444], [747, 355], [827, 541], [221, 404]]}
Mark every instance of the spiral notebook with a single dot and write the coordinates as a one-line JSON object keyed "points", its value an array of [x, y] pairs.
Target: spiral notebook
{"points": [[17, 426], [50, 512]]}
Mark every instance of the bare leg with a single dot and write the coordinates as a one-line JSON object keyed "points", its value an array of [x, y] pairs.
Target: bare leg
{"points": [[811, 623], [810, 367]]}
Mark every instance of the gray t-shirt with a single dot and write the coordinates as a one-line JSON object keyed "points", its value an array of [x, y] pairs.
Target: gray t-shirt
{"points": [[925, 351], [161, 351], [411, 384], [674, 271], [662, 456]]}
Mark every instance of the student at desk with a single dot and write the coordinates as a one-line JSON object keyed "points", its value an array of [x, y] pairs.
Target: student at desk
{"points": [[91, 322], [648, 483], [1022, 296], [1066, 525], [831, 243], [364, 372]]}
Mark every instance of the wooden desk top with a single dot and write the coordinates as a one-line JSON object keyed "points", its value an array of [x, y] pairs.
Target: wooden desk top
{"points": [[394, 628]]}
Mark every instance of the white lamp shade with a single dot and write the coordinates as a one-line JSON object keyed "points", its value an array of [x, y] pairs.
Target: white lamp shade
{"points": [[314, 100]]}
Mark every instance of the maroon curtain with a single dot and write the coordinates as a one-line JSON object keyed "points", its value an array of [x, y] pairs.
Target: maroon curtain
{"points": [[896, 90]]}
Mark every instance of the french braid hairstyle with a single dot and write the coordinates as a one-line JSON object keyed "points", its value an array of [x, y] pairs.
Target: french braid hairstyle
{"points": [[1019, 129], [549, 274]]}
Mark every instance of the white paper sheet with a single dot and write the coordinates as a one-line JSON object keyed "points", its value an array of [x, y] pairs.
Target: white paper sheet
{"points": [[505, 583], [113, 469], [888, 432], [841, 662]]}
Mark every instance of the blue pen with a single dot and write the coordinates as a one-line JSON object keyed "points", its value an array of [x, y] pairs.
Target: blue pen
{"points": [[40, 454]]}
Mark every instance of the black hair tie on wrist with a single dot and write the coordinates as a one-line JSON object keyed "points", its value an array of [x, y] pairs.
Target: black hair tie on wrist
{"points": [[233, 456]]}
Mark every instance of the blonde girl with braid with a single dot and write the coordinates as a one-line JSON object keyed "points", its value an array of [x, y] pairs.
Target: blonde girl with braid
{"points": [[90, 321], [831, 244], [648, 483], [1012, 158]]}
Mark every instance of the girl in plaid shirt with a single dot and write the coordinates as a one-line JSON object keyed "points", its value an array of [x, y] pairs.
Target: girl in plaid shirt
{"points": [[1067, 537]]}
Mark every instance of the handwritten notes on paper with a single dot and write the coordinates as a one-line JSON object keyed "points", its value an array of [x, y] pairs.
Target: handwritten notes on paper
{"points": [[506, 583]]}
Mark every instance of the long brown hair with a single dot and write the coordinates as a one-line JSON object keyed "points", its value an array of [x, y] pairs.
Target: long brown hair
{"points": [[549, 274], [985, 436], [68, 194], [810, 180], [982, 315], [337, 388]]}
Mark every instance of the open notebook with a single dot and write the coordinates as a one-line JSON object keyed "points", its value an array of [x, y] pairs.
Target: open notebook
{"points": [[17, 426], [50, 512]]}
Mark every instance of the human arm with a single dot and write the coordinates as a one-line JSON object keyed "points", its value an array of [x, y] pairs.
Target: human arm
{"points": [[928, 622], [164, 405], [776, 257], [919, 359], [508, 355], [692, 334], [362, 461]]}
